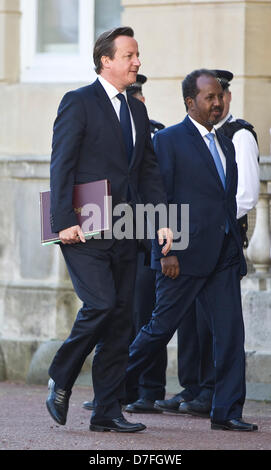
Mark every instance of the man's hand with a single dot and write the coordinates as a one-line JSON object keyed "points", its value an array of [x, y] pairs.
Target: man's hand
{"points": [[165, 233], [72, 235], [170, 266]]}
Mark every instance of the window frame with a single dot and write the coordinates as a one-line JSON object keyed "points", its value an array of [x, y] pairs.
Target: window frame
{"points": [[55, 67]]}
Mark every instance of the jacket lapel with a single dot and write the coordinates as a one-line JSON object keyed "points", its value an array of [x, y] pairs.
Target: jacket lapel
{"points": [[203, 150], [229, 166], [110, 114], [137, 117]]}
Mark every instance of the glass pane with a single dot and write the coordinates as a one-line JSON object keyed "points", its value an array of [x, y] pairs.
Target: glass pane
{"points": [[58, 26], [107, 15]]}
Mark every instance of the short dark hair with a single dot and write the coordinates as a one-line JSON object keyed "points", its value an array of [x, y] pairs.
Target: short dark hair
{"points": [[105, 44], [189, 84]]}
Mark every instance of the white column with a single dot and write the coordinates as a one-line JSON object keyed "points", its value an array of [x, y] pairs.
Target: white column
{"points": [[258, 251]]}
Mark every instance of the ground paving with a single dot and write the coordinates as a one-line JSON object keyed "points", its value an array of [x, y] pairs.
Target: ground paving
{"points": [[26, 425]]}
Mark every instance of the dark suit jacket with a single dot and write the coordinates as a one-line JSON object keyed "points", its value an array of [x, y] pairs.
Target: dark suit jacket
{"points": [[190, 177], [88, 146]]}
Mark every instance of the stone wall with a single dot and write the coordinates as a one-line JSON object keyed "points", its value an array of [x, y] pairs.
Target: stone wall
{"points": [[178, 36], [37, 303]]}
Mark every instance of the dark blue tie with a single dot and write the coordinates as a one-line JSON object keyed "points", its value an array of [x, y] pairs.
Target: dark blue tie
{"points": [[126, 126]]}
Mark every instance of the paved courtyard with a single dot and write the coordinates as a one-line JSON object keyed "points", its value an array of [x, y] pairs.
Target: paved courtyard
{"points": [[26, 425]]}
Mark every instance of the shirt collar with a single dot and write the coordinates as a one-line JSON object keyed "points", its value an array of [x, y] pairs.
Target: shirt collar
{"points": [[111, 91], [203, 131], [220, 123]]}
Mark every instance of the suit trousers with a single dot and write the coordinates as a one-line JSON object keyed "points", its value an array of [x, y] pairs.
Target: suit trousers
{"points": [[195, 361], [220, 295], [152, 380], [195, 358], [104, 281], [196, 372]]}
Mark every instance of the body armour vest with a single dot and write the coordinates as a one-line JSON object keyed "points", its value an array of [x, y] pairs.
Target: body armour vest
{"points": [[228, 129]]}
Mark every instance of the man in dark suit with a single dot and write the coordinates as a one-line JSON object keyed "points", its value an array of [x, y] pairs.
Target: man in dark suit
{"points": [[244, 139], [153, 380], [199, 169], [98, 135]]}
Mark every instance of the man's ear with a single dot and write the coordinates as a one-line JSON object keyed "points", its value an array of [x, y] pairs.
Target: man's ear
{"points": [[189, 102], [105, 60]]}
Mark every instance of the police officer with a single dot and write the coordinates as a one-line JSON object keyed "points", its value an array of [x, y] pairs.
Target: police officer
{"points": [[244, 138], [135, 90], [152, 381]]}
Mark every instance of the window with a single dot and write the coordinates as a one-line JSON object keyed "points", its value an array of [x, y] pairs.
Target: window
{"points": [[58, 26], [107, 15], [57, 37]]}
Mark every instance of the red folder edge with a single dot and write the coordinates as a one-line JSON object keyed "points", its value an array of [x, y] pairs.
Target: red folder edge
{"points": [[99, 189]]}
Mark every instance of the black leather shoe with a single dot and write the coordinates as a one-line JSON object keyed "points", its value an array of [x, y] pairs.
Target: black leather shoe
{"points": [[236, 424], [171, 405], [196, 408], [115, 424], [88, 405], [142, 406], [58, 402]]}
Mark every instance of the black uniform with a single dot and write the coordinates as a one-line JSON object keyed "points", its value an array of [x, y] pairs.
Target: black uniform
{"points": [[229, 128]]}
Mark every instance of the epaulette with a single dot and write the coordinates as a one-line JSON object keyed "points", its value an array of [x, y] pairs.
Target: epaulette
{"points": [[230, 127], [156, 126]]}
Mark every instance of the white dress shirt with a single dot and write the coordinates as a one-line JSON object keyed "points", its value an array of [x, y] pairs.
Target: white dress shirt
{"points": [[247, 153], [203, 131], [112, 93]]}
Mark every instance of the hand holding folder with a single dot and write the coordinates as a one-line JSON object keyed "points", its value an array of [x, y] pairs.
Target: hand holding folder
{"points": [[72, 235], [94, 194]]}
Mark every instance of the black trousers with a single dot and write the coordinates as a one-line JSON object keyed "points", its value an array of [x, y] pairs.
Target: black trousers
{"points": [[152, 380], [196, 372], [220, 295], [104, 281], [195, 351]]}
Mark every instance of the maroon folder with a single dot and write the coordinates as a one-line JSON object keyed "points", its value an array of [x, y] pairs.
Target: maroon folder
{"points": [[84, 196]]}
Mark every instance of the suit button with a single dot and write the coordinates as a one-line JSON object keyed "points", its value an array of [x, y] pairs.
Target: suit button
{"points": [[222, 227]]}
